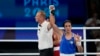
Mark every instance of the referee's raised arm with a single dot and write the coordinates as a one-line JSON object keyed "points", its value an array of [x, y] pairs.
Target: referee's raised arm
{"points": [[52, 21]]}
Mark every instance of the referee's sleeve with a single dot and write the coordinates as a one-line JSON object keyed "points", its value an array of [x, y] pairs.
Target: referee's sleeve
{"points": [[49, 27]]}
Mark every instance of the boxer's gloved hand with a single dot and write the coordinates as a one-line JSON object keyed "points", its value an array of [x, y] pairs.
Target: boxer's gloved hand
{"points": [[52, 9]]}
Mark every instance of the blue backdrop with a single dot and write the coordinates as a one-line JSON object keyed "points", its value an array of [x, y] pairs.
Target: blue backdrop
{"points": [[21, 13]]}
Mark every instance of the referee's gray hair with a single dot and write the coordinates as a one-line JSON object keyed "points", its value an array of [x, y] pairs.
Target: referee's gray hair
{"points": [[42, 13]]}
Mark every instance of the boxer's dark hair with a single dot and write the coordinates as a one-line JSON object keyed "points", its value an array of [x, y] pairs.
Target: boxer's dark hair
{"points": [[66, 22]]}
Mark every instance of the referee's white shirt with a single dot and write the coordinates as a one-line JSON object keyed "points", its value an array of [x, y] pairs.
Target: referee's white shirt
{"points": [[44, 36]]}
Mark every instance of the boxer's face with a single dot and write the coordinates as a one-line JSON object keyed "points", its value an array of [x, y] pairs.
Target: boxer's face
{"points": [[68, 27]]}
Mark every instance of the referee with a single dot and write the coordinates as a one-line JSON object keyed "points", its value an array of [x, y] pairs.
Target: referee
{"points": [[44, 32]]}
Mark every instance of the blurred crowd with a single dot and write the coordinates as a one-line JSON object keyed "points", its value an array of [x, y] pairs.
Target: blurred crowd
{"points": [[93, 21]]}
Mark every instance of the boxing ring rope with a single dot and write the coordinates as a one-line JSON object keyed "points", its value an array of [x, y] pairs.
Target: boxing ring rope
{"points": [[88, 40], [39, 54], [35, 28]]}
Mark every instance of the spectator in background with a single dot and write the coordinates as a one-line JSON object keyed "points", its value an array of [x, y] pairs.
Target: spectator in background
{"points": [[93, 21], [92, 34]]}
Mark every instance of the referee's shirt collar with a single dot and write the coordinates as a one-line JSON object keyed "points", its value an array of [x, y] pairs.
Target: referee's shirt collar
{"points": [[42, 24]]}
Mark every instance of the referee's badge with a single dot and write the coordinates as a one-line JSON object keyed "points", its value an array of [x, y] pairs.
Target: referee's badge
{"points": [[71, 42]]}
